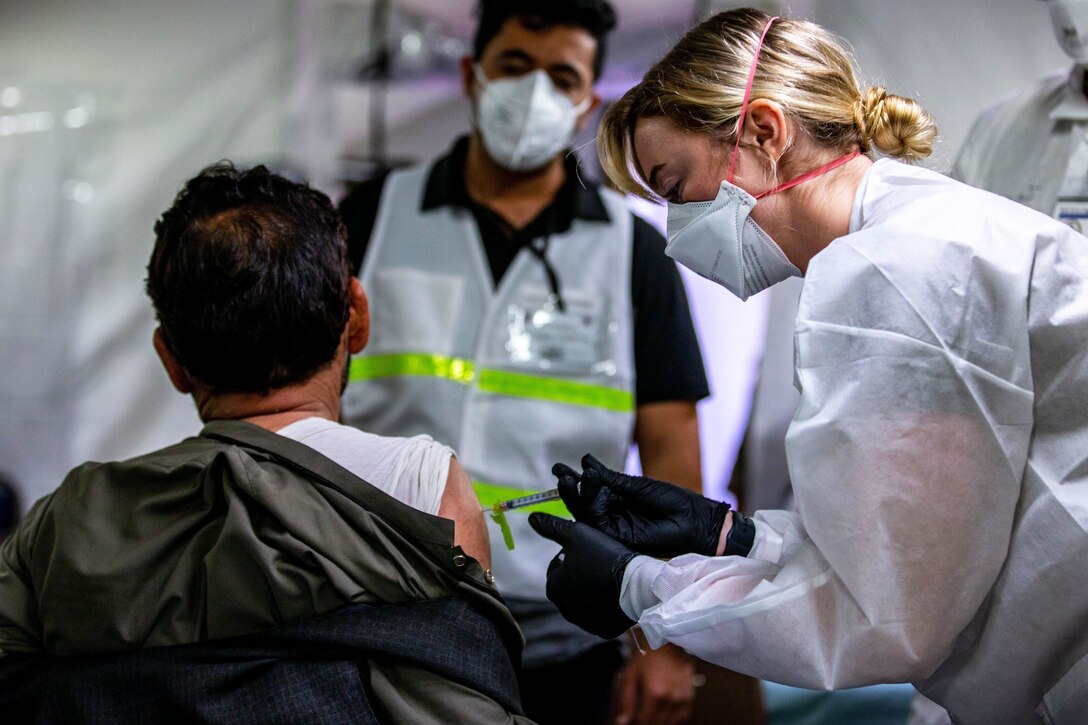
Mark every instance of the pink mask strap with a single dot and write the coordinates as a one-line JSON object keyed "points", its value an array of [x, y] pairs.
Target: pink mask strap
{"points": [[747, 93], [810, 175]]}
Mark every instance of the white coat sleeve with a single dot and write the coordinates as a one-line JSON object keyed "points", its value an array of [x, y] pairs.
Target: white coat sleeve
{"points": [[906, 454]]}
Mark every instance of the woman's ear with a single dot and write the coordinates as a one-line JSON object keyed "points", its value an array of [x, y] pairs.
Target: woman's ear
{"points": [[358, 318], [766, 127]]}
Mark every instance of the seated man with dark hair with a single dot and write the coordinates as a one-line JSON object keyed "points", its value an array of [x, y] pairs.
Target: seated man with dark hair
{"points": [[275, 514]]}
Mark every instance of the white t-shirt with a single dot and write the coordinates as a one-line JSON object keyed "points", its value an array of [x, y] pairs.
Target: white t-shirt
{"points": [[412, 470]]}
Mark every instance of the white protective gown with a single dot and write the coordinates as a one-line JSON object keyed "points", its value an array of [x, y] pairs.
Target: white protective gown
{"points": [[939, 458], [1029, 146]]}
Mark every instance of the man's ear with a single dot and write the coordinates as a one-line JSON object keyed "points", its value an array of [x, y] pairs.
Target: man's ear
{"points": [[583, 120], [468, 76], [178, 375], [358, 318], [766, 127]]}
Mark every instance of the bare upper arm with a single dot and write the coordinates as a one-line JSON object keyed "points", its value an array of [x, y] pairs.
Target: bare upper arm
{"points": [[459, 502]]}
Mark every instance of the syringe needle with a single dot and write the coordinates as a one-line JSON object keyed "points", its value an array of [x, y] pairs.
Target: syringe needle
{"points": [[522, 502]]}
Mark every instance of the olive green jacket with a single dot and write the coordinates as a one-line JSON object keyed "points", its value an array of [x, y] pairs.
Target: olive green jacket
{"points": [[228, 533]]}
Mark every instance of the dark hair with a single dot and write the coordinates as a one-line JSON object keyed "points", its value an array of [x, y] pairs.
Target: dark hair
{"points": [[250, 279], [594, 16]]}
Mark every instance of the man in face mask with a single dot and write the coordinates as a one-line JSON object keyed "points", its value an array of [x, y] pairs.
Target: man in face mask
{"points": [[1030, 145], [524, 316]]}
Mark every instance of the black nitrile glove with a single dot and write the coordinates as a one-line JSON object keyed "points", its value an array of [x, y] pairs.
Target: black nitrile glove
{"points": [[584, 579], [577, 494], [648, 516]]}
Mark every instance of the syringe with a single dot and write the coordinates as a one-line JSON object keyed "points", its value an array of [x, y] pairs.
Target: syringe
{"points": [[518, 503]]}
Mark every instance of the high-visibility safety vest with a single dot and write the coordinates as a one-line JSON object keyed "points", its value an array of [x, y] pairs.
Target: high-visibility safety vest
{"points": [[510, 381]]}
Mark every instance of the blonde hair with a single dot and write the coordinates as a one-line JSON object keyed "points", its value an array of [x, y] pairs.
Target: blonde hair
{"points": [[699, 86]]}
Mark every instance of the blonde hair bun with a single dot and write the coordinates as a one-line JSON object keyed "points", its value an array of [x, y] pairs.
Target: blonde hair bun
{"points": [[896, 126]]}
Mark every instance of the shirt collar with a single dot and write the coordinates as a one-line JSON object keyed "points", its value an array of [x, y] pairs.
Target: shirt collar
{"points": [[575, 199], [1073, 105]]}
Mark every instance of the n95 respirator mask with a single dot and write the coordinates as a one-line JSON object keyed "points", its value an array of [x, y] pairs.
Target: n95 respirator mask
{"points": [[525, 121]]}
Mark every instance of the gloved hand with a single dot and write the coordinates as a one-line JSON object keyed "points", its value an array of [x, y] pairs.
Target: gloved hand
{"points": [[584, 579], [648, 516]]}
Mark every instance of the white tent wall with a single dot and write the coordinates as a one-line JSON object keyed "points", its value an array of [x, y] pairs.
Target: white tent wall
{"points": [[167, 87], [954, 56]]}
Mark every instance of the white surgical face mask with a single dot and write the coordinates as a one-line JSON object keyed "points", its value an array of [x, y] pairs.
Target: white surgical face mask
{"points": [[525, 121], [718, 240], [1070, 21]]}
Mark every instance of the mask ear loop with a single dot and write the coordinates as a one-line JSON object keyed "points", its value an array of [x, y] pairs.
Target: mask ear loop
{"points": [[810, 175], [747, 94], [479, 76]]}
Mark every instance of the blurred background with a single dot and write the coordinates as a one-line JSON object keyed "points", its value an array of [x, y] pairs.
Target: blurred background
{"points": [[107, 106]]}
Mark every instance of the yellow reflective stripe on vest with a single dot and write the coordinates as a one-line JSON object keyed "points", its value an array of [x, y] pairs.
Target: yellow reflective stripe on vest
{"points": [[490, 494], [433, 366], [519, 385], [499, 382]]}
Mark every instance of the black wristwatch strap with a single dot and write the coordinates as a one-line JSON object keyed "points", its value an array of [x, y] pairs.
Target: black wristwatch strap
{"points": [[741, 537]]}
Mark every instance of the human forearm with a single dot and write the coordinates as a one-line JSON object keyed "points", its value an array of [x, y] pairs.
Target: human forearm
{"points": [[667, 435]]}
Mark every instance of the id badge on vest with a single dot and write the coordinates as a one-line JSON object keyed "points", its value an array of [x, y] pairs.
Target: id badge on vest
{"points": [[1074, 212], [1071, 205], [540, 336]]}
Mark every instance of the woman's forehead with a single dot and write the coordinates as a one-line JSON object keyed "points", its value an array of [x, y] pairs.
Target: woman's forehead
{"points": [[656, 140]]}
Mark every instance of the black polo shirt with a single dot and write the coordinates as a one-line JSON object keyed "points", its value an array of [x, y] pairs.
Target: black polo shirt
{"points": [[668, 364]]}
